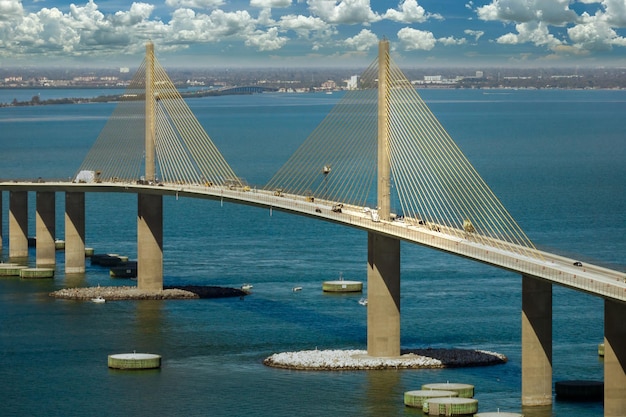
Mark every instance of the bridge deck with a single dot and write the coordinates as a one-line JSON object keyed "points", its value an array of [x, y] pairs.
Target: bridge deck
{"points": [[561, 270]]}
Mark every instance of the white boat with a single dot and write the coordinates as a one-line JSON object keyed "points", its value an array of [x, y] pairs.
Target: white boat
{"points": [[363, 301], [98, 299], [294, 289], [246, 287]]}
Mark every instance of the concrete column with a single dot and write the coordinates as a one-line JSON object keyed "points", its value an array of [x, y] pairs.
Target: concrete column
{"points": [[45, 228], [383, 296], [614, 359], [536, 342], [18, 224], [384, 168], [1, 193], [150, 242], [74, 233], [149, 113]]}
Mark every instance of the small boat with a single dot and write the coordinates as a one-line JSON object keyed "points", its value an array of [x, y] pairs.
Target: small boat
{"points": [[294, 289], [98, 299], [246, 287], [363, 301]]}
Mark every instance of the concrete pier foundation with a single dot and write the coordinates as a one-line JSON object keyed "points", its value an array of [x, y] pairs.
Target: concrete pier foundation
{"points": [[74, 233], [1, 217], [383, 296], [45, 228], [614, 359], [150, 242], [18, 224], [536, 342]]}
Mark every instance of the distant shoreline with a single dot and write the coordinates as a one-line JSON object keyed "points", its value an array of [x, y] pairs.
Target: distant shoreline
{"points": [[35, 101], [113, 98]]}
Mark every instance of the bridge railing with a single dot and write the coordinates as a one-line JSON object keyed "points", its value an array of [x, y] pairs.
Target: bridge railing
{"points": [[589, 278], [526, 261]]}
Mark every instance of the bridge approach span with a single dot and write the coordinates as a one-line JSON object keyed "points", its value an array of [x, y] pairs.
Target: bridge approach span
{"points": [[593, 279]]}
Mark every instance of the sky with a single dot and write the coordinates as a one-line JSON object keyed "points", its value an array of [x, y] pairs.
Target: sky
{"points": [[314, 33]]}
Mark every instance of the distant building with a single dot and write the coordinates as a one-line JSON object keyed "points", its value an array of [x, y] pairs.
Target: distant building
{"points": [[432, 78], [124, 70], [329, 85], [352, 83]]}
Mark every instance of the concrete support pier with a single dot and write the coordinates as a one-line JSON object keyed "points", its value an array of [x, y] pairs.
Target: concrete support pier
{"points": [[536, 342], [1, 214], [18, 224], [150, 242], [74, 233], [383, 296], [45, 228], [614, 359]]}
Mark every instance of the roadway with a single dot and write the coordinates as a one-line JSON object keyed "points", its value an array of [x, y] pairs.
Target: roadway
{"points": [[589, 278]]}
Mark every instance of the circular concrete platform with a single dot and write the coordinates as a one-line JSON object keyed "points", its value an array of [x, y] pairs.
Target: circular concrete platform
{"points": [[416, 398], [464, 390], [37, 273], [11, 270], [342, 286], [450, 406], [134, 361]]}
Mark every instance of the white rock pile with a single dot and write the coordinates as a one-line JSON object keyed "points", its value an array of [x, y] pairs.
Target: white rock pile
{"points": [[121, 293], [358, 359]]}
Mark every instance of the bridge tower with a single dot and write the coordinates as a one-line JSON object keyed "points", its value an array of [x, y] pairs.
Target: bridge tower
{"points": [[383, 253], [150, 206]]}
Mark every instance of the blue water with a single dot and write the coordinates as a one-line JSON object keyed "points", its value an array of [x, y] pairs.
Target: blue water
{"points": [[557, 160]]}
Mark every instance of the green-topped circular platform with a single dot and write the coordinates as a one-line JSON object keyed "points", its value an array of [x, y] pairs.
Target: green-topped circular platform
{"points": [[37, 273], [11, 270], [342, 286], [134, 360], [88, 252], [451, 406], [416, 398], [464, 390]]}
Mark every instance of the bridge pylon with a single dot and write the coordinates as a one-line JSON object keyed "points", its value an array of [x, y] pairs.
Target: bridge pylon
{"points": [[383, 253], [150, 206]]}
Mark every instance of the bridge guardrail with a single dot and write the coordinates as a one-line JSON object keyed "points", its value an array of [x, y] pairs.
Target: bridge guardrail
{"points": [[589, 278]]}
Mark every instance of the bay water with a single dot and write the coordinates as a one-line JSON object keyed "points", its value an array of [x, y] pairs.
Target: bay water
{"points": [[556, 159]]}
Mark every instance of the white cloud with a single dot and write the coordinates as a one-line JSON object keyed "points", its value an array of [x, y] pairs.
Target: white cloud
{"points": [[477, 34], [270, 4], [555, 12], [187, 26], [343, 11], [10, 9], [451, 40], [408, 12], [533, 32], [594, 34], [303, 26], [195, 4], [414, 39], [138, 13], [266, 41], [363, 41], [615, 12]]}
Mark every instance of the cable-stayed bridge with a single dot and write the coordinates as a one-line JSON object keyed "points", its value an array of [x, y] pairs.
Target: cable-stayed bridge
{"points": [[380, 147]]}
